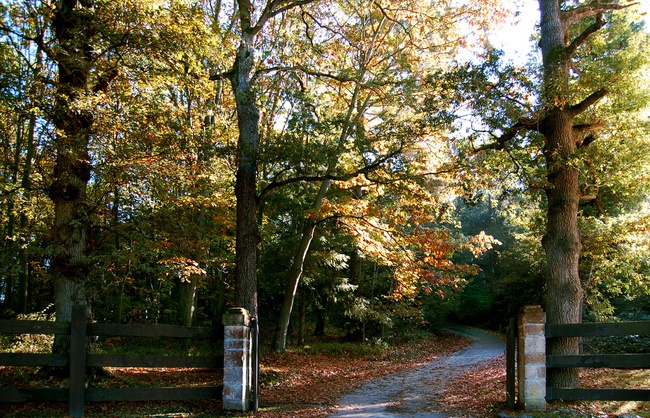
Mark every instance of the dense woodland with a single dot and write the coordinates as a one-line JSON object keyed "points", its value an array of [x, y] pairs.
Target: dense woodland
{"points": [[356, 167]]}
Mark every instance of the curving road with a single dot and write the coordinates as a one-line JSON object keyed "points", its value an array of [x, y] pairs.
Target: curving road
{"points": [[412, 393]]}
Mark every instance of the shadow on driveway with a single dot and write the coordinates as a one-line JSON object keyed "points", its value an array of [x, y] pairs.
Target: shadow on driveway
{"points": [[413, 393]]}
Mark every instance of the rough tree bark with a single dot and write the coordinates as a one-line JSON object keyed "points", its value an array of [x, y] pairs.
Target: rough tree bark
{"points": [[248, 116], [72, 171], [73, 54], [562, 141]]}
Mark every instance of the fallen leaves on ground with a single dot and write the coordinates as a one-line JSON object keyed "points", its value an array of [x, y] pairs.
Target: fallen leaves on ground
{"points": [[476, 392], [309, 385], [295, 384]]}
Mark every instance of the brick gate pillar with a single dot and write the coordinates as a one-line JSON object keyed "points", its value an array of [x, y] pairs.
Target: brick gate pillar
{"points": [[237, 366], [531, 360]]}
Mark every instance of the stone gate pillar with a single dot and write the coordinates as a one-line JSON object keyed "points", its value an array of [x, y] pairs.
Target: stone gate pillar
{"points": [[531, 359], [237, 365]]}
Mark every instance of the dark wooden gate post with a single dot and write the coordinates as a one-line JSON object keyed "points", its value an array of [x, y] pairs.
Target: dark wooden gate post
{"points": [[77, 361]]}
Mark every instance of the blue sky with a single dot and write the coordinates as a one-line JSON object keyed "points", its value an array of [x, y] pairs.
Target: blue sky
{"points": [[514, 36]]}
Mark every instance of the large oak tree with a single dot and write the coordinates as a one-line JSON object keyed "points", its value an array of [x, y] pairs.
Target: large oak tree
{"points": [[555, 124]]}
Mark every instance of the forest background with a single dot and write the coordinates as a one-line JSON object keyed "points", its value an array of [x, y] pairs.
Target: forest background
{"points": [[358, 153]]}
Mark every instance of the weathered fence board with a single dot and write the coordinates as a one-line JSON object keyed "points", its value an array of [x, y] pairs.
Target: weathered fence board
{"points": [[34, 359], [615, 361], [599, 394], [78, 360], [11, 326], [107, 360], [138, 330], [34, 394], [618, 361], [615, 329], [153, 394]]}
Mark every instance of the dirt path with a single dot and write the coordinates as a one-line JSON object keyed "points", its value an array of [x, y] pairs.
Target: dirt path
{"points": [[413, 393]]}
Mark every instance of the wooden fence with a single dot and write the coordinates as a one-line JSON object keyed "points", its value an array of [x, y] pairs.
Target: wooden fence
{"points": [[78, 360], [622, 361]]}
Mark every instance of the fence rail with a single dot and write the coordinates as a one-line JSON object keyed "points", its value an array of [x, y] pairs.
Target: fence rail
{"points": [[617, 361], [78, 361]]}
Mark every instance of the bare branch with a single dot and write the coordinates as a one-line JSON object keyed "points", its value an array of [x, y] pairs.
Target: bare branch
{"points": [[386, 16], [440, 172]]}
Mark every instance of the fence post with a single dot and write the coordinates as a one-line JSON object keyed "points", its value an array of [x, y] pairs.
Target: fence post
{"points": [[255, 369], [531, 359], [511, 347], [237, 360], [77, 361]]}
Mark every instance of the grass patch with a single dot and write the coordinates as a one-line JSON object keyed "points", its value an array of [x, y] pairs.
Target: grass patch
{"points": [[354, 350]]}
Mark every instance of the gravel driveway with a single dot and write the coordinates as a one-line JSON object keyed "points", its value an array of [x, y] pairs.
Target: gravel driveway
{"points": [[413, 393]]}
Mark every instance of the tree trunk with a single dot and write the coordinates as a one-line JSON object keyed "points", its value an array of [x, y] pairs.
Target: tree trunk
{"points": [[219, 308], [188, 300], [119, 310], [9, 249], [562, 239], [26, 184], [301, 321], [247, 235], [248, 117], [310, 224], [562, 245], [70, 265], [295, 273], [319, 328], [13, 236]]}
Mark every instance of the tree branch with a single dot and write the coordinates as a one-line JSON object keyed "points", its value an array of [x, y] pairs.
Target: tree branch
{"points": [[586, 103], [221, 76], [106, 80], [344, 177], [570, 17], [38, 40], [510, 133], [584, 133], [273, 8], [339, 78], [16, 189], [245, 12], [580, 39]]}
